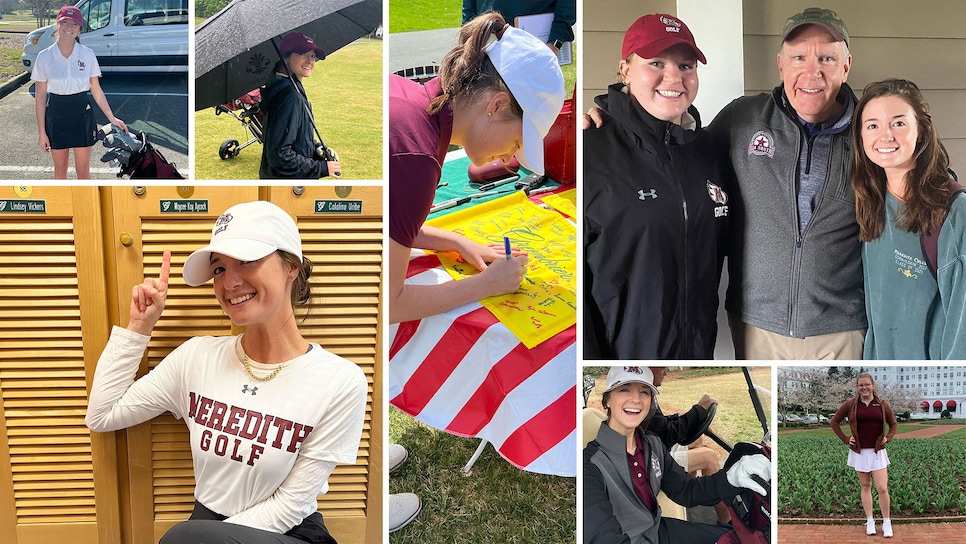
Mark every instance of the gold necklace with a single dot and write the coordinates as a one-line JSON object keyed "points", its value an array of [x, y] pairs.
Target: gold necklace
{"points": [[247, 363]]}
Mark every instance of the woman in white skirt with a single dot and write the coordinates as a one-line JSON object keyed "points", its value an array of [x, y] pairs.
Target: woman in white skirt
{"points": [[868, 416], [65, 118]]}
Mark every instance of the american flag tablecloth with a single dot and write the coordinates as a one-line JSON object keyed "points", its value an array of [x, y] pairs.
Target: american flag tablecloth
{"points": [[465, 373]]}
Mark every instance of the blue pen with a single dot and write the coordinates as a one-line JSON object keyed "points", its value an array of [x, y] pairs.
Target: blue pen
{"points": [[506, 246]]}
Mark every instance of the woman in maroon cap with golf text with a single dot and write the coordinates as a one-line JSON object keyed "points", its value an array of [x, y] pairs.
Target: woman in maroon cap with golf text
{"points": [[290, 151], [63, 73], [655, 206]]}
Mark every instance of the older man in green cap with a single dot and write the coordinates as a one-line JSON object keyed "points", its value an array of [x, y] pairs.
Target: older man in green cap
{"points": [[795, 263]]}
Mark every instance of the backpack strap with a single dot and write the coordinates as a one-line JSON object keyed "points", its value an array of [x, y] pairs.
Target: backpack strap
{"points": [[930, 242]]}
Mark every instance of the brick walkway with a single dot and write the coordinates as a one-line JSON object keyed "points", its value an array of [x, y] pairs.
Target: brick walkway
{"points": [[854, 533]]}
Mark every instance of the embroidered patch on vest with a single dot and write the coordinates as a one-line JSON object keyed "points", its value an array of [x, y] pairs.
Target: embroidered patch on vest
{"points": [[656, 467], [762, 144]]}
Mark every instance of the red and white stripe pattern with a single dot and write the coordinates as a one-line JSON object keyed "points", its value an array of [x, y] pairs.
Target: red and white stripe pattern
{"points": [[465, 373]]}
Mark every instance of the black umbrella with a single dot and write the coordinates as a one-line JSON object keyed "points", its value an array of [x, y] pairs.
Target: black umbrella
{"points": [[234, 49]]}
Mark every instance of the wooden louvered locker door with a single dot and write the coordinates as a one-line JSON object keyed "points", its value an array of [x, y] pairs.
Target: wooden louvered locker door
{"points": [[344, 318], [161, 482], [57, 479]]}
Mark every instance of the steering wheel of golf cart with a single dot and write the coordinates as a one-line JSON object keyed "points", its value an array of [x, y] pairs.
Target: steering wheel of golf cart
{"points": [[701, 428]]}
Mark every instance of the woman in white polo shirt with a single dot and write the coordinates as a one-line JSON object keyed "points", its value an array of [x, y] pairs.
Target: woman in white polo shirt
{"points": [[65, 119]]}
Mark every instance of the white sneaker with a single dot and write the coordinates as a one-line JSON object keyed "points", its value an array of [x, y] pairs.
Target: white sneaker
{"points": [[403, 508], [870, 527], [887, 528], [397, 456]]}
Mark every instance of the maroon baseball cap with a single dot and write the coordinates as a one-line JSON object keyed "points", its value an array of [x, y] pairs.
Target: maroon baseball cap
{"points": [[651, 34], [296, 42], [70, 12]]}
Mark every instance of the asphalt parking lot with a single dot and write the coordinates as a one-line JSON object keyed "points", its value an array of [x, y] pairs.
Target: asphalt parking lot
{"points": [[154, 103]]}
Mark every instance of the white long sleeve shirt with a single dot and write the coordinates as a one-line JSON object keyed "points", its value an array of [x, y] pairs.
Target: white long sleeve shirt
{"points": [[262, 451]]}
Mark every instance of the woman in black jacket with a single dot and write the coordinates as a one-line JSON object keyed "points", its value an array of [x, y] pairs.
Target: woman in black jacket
{"points": [[655, 207], [290, 151]]}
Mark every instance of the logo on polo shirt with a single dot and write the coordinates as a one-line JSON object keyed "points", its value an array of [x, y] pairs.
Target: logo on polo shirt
{"points": [[762, 144], [81, 65]]}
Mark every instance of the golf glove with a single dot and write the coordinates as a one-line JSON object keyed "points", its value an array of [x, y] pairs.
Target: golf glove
{"points": [[744, 472]]}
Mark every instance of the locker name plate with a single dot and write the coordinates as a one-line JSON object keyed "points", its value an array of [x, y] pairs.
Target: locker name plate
{"points": [[338, 206], [184, 206], [23, 206]]}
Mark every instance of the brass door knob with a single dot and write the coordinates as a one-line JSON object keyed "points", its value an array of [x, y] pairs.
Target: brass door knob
{"points": [[126, 239]]}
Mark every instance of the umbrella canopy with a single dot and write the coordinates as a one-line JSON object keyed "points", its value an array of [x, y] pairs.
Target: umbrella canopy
{"points": [[234, 52]]}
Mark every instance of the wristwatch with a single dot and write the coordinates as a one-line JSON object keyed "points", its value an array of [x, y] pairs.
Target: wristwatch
{"points": [[557, 44]]}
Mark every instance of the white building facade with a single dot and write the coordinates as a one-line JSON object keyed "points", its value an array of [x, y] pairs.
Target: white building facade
{"points": [[943, 387]]}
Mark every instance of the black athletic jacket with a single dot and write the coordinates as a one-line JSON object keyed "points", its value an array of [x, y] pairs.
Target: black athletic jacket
{"points": [[288, 134], [655, 216]]}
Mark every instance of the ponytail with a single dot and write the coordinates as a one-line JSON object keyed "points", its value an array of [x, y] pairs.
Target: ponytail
{"points": [[466, 71]]}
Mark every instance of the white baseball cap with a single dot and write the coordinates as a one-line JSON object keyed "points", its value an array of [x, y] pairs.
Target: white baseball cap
{"points": [[620, 375], [531, 72], [246, 232]]}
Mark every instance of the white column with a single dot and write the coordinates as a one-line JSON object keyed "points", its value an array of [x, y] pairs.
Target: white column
{"points": [[718, 30]]}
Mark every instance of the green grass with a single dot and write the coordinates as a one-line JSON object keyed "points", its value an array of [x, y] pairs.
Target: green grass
{"points": [[346, 94], [496, 503], [412, 15], [903, 428], [10, 65]]}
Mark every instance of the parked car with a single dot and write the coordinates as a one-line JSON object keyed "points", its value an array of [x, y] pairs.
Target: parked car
{"points": [[793, 418], [146, 36]]}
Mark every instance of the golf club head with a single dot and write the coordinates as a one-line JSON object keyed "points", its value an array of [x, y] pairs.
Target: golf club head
{"points": [[109, 156], [124, 157]]}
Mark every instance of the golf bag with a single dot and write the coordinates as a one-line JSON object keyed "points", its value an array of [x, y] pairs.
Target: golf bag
{"points": [[750, 512], [247, 111], [136, 156]]}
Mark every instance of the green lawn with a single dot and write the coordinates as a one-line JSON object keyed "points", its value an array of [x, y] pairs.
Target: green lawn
{"points": [[346, 95], [903, 428], [10, 65], [411, 15], [496, 503]]}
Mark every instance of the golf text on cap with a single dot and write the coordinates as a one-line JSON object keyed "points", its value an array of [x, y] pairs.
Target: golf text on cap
{"points": [[672, 25]]}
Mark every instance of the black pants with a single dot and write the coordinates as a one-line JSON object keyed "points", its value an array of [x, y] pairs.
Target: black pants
{"points": [[206, 527]]}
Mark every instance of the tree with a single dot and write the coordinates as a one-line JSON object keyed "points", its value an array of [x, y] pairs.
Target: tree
{"points": [[8, 6], [40, 9], [207, 8]]}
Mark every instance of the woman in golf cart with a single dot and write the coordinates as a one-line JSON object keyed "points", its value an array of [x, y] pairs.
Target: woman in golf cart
{"points": [[497, 95], [65, 120], [290, 151], [623, 454]]}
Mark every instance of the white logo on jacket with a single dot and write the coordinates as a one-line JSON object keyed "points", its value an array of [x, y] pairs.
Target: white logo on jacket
{"points": [[656, 466], [762, 144], [641, 195], [718, 196]]}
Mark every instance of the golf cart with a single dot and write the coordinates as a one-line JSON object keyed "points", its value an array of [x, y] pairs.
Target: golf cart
{"points": [[750, 511]]}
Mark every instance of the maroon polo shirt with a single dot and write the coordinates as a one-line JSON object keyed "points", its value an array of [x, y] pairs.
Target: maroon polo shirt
{"points": [[869, 421], [418, 143], [639, 466]]}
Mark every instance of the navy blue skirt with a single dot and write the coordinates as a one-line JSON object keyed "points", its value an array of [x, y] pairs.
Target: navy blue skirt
{"points": [[69, 121]]}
